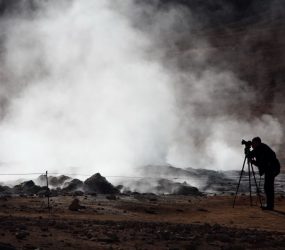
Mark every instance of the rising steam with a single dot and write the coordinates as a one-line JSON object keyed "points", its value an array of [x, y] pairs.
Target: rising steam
{"points": [[97, 86]]}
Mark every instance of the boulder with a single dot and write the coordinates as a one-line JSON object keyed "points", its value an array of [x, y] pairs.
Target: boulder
{"points": [[27, 187], [185, 189], [75, 205], [111, 197], [98, 184]]}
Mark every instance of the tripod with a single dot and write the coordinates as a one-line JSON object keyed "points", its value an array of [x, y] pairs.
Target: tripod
{"points": [[250, 171]]}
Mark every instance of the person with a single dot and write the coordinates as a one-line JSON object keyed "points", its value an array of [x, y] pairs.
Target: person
{"points": [[268, 165]]}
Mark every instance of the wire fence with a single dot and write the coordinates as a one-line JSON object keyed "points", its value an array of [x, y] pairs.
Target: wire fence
{"points": [[169, 176]]}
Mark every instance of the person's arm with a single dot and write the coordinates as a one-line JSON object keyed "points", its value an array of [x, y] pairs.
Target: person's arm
{"points": [[251, 156], [256, 159]]}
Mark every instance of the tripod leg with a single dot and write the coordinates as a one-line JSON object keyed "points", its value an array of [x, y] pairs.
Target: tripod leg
{"points": [[259, 184], [257, 187], [241, 172], [249, 182]]}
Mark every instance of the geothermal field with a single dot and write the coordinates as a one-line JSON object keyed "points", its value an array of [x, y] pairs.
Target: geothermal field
{"points": [[94, 214], [121, 123]]}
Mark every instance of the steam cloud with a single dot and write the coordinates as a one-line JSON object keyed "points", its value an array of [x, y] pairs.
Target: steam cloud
{"points": [[103, 86]]}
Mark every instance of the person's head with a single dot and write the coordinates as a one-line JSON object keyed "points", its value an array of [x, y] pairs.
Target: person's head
{"points": [[256, 141]]}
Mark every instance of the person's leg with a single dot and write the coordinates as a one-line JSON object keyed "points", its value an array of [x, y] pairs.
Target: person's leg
{"points": [[269, 190]]}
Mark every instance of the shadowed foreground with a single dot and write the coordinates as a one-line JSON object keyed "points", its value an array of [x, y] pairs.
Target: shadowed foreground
{"points": [[140, 222]]}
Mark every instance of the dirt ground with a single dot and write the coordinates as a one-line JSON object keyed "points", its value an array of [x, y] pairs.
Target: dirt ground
{"points": [[141, 222]]}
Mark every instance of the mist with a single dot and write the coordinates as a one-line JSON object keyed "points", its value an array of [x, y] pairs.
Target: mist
{"points": [[104, 86]]}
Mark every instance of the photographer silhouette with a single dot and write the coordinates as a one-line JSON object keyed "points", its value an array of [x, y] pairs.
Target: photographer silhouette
{"points": [[268, 165]]}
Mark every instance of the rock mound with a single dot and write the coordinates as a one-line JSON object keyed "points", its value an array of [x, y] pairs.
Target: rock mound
{"points": [[27, 188], [164, 186], [98, 184], [185, 189], [73, 185]]}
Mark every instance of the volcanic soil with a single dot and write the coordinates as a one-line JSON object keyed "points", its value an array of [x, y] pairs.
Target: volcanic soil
{"points": [[140, 222]]}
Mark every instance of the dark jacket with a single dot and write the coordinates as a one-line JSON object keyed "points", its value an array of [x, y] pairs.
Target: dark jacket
{"points": [[265, 159]]}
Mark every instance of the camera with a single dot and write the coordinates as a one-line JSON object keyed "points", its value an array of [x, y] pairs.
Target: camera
{"points": [[247, 147], [246, 143]]}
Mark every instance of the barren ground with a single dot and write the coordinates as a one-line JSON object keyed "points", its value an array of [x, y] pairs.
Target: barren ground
{"points": [[141, 222]]}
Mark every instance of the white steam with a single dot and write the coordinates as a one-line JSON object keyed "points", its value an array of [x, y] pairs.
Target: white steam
{"points": [[94, 95], [92, 100]]}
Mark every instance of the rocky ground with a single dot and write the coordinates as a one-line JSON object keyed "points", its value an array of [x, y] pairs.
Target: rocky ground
{"points": [[140, 221]]}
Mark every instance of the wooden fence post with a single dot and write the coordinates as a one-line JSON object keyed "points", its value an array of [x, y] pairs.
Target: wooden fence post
{"points": [[47, 190]]}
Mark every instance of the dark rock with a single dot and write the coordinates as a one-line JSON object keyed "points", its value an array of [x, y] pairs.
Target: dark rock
{"points": [[27, 188], [28, 184], [202, 210], [111, 197], [164, 186], [75, 205], [72, 186], [221, 181], [185, 189], [99, 184]]}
